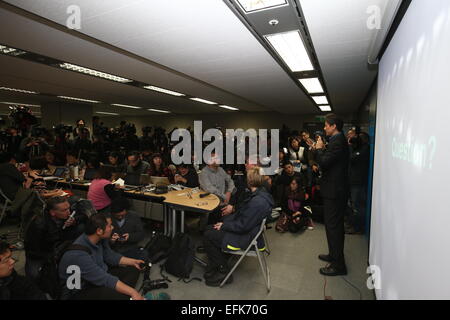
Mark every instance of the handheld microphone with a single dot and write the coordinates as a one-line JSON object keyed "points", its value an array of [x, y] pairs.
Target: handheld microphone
{"points": [[71, 216], [205, 194]]}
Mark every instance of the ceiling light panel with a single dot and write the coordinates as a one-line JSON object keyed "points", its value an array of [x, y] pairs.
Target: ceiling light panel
{"points": [[255, 5], [18, 90], [158, 110], [78, 99], [291, 49], [203, 101], [108, 113], [325, 108], [229, 108], [173, 93], [312, 85], [94, 73], [125, 106], [321, 100]]}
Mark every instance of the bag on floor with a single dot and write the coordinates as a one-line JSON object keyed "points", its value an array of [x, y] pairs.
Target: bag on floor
{"points": [[282, 223], [181, 256], [158, 247]]}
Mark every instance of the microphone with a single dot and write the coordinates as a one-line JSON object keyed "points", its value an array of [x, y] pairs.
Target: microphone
{"points": [[71, 216], [205, 195]]}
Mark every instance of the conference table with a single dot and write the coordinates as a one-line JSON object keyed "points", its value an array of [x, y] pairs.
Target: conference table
{"points": [[187, 199]]}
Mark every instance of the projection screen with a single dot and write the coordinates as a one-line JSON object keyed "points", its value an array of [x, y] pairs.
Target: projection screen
{"points": [[410, 224]]}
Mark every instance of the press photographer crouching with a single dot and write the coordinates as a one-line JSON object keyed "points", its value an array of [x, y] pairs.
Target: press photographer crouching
{"points": [[128, 230], [102, 278]]}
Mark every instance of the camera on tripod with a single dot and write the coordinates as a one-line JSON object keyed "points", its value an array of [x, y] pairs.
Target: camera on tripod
{"points": [[147, 284]]}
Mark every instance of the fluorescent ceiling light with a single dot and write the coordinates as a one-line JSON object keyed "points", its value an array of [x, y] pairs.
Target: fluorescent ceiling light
{"points": [[325, 108], [157, 110], [229, 108], [94, 73], [21, 104], [78, 99], [125, 106], [312, 85], [290, 47], [10, 51], [173, 93], [203, 100], [321, 100], [108, 113], [255, 5], [18, 90]]}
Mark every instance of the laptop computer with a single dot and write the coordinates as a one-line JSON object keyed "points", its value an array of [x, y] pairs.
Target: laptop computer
{"points": [[58, 174], [160, 181]]}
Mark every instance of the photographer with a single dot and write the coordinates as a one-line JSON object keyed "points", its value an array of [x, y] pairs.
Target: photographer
{"points": [[35, 145], [14, 140], [128, 230], [80, 129], [82, 145], [101, 276], [146, 141]]}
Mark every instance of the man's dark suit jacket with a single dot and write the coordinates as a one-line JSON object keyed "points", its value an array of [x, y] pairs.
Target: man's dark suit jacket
{"points": [[334, 162]]}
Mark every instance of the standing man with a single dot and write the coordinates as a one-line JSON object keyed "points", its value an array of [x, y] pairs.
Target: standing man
{"points": [[334, 162]]}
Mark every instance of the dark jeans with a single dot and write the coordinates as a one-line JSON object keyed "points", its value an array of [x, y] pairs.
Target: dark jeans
{"points": [[128, 275], [359, 198], [136, 253], [212, 241], [334, 211]]}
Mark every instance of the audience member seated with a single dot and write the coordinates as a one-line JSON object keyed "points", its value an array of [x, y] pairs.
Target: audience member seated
{"points": [[46, 231], [115, 162], [73, 161], [136, 165], [102, 270], [37, 165], [187, 176], [11, 179], [237, 230], [215, 180], [297, 154], [158, 169], [12, 285], [295, 217], [101, 191], [128, 230], [50, 158]]}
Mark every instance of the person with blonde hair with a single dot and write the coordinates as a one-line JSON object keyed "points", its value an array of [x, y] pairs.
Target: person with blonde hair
{"points": [[237, 230]]}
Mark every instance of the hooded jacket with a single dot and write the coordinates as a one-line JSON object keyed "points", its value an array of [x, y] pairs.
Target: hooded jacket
{"points": [[241, 227]]}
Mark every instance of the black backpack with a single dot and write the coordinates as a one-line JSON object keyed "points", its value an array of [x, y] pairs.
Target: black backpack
{"points": [[181, 256], [158, 247], [49, 281]]}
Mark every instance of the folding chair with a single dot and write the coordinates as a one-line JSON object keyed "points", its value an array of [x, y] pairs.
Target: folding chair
{"points": [[253, 251], [6, 205]]}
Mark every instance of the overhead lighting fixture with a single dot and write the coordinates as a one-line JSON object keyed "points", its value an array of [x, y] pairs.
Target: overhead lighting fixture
{"points": [[95, 73], [78, 99], [21, 104], [256, 5], [312, 85], [203, 101], [10, 51], [291, 49], [108, 113], [18, 90], [173, 93], [157, 110], [229, 108], [325, 108], [125, 106], [321, 100]]}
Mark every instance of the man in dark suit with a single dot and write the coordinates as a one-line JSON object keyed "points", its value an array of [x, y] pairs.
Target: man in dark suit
{"points": [[334, 162]]}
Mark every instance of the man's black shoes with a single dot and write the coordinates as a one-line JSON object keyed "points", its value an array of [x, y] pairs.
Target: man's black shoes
{"points": [[325, 257], [333, 271], [216, 279]]}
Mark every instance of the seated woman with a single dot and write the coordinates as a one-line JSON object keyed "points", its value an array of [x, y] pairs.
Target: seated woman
{"points": [[237, 230], [101, 191], [115, 161], [158, 169], [38, 183], [295, 217], [297, 154]]}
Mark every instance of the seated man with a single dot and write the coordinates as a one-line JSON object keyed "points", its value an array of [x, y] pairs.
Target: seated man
{"points": [[128, 230], [101, 277], [13, 286], [237, 230], [187, 176], [45, 232], [136, 165], [215, 180], [11, 179]]}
